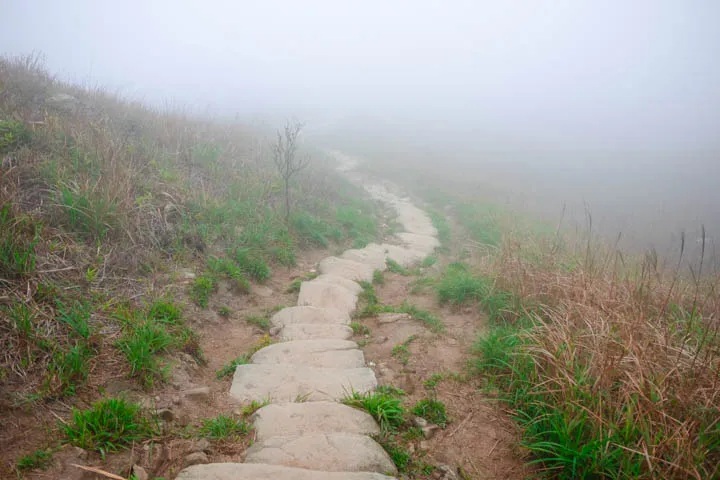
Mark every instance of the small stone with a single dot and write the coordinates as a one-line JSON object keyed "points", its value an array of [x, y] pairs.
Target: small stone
{"points": [[187, 275], [447, 472], [392, 317], [195, 458], [176, 400], [166, 414], [452, 341], [202, 445], [274, 331], [370, 364], [81, 453], [424, 445], [429, 431], [420, 422], [262, 291], [381, 340], [199, 394], [140, 473]]}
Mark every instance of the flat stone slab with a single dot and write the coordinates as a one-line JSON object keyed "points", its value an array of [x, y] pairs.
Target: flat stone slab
{"points": [[350, 269], [373, 255], [335, 280], [332, 452], [325, 295], [290, 383], [314, 331], [404, 256], [278, 419], [308, 314], [314, 353], [422, 243], [253, 471]]}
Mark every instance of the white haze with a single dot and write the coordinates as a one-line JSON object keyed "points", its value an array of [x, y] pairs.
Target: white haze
{"points": [[616, 102]]}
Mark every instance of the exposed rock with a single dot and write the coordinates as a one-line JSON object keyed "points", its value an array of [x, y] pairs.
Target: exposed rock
{"points": [[262, 291], [315, 331], [195, 458], [309, 418], [314, 353], [250, 471], [390, 317], [64, 102], [201, 445], [445, 472], [308, 314], [199, 394], [325, 295], [290, 382], [340, 281], [326, 452], [373, 255], [419, 422], [274, 331], [165, 414], [349, 269], [140, 473]]}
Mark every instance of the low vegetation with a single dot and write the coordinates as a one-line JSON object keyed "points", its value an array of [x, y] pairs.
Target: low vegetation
{"points": [[223, 427]]}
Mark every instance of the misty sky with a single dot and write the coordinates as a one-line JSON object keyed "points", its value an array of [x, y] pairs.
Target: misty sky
{"points": [[627, 73]]}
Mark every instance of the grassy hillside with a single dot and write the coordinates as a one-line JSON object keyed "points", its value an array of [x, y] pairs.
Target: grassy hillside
{"points": [[101, 197], [609, 362]]}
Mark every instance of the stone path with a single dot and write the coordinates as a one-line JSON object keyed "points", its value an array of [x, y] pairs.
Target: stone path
{"points": [[305, 433]]}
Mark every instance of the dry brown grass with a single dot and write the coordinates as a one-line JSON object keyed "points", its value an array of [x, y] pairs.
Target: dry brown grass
{"points": [[620, 374]]}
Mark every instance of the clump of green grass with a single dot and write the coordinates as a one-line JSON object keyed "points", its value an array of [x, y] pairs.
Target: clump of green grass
{"points": [[430, 320], [19, 236], [230, 368], [107, 426], [459, 286], [482, 222], [141, 343], [378, 277], [402, 352], [385, 407], [400, 456], [75, 315], [395, 267], [252, 264], [230, 270], [358, 222], [223, 427], [224, 311], [201, 289], [259, 321], [38, 460], [432, 410], [165, 311], [13, 135], [86, 211], [429, 261], [359, 328], [68, 369], [441, 225]]}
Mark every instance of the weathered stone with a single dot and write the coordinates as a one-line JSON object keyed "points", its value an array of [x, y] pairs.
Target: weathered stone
{"points": [[309, 418], [349, 269], [332, 452], [262, 291], [199, 394], [64, 102], [390, 317], [195, 458], [324, 295], [311, 331], [419, 422], [421, 243], [335, 280], [446, 472], [165, 414], [290, 382], [250, 471], [315, 353], [201, 445], [140, 473], [308, 314], [404, 256], [372, 254]]}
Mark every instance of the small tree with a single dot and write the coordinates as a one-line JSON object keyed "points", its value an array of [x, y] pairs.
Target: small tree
{"points": [[286, 161]]}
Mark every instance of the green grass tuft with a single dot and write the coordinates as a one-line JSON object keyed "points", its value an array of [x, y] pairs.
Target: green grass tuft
{"points": [[201, 290], [385, 407], [230, 368], [252, 265], [431, 410], [359, 328], [459, 286], [38, 460], [223, 427], [109, 425], [378, 278], [18, 237]]}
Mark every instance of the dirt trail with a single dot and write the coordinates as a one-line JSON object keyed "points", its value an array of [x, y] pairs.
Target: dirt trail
{"points": [[478, 443]]}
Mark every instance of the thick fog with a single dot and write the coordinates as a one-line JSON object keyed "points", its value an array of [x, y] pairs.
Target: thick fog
{"points": [[614, 101]]}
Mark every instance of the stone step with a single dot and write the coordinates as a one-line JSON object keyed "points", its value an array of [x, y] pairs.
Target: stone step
{"points": [[421, 243], [314, 331], [404, 256], [350, 269], [373, 255], [332, 452], [278, 419], [291, 383], [325, 295], [307, 314], [254, 471], [314, 353], [335, 280]]}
